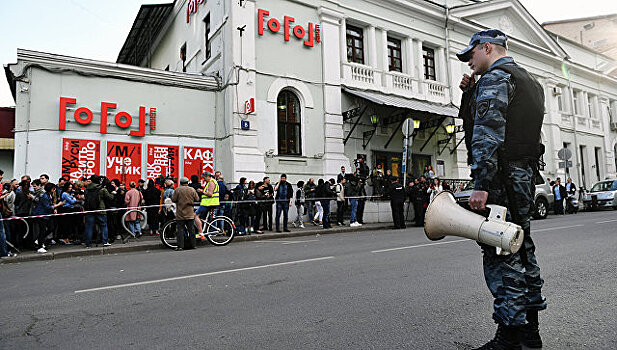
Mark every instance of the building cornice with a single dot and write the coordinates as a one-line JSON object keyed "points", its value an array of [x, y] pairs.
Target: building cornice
{"points": [[27, 59]]}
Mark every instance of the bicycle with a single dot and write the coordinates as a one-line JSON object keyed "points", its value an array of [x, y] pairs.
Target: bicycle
{"points": [[218, 230]]}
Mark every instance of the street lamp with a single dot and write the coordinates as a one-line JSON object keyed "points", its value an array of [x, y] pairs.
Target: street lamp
{"points": [[374, 120], [450, 129], [416, 124]]}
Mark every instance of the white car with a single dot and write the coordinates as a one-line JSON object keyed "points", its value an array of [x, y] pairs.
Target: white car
{"points": [[602, 195]]}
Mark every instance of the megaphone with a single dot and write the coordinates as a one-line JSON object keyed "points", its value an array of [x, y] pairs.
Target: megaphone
{"points": [[444, 218]]}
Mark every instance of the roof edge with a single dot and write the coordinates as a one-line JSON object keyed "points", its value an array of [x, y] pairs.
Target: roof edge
{"points": [[28, 58]]}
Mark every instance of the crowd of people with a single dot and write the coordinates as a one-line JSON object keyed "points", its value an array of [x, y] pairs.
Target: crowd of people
{"points": [[254, 206]]}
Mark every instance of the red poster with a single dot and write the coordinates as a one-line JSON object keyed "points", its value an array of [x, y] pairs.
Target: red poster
{"points": [[80, 158], [123, 161], [197, 160], [163, 161]]}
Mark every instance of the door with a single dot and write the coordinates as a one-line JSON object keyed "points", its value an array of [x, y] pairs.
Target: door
{"points": [[418, 162], [389, 160]]}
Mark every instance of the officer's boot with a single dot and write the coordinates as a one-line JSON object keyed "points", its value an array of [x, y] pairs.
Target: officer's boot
{"points": [[530, 334], [506, 338]]}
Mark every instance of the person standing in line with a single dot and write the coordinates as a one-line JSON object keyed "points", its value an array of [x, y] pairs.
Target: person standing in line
{"points": [[300, 201], [166, 210], [309, 193], [284, 198], [341, 175], [361, 201], [560, 193], [268, 200], [319, 194], [434, 189], [352, 193], [339, 189], [328, 195], [133, 199], [42, 206], [152, 196], [184, 197], [397, 203], [502, 117]]}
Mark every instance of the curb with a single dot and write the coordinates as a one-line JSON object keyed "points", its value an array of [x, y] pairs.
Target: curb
{"points": [[153, 245]]}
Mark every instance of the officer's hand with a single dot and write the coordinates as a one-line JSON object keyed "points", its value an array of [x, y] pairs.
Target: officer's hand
{"points": [[467, 82], [477, 201]]}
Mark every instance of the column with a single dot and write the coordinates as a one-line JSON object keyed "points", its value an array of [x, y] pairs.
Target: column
{"points": [[343, 40], [441, 69], [372, 48], [408, 56], [419, 69], [384, 50]]}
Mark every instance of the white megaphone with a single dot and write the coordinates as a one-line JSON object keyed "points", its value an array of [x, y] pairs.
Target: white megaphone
{"points": [[446, 218]]}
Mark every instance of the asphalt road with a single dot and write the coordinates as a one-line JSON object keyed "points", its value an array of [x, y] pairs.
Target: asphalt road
{"points": [[360, 290]]}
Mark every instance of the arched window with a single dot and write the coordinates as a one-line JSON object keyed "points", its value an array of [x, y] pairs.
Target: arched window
{"points": [[289, 128]]}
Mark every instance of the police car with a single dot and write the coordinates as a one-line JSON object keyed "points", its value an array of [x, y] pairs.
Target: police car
{"points": [[544, 198]]}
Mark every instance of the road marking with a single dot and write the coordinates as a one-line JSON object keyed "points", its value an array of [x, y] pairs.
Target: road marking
{"points": [[201, 275], [554, 228], [419, 246], [307, 241], [604, 222]]}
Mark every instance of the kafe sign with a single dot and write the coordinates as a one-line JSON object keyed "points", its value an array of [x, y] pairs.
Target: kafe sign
{"points": [[84, 116], [274, 25]]}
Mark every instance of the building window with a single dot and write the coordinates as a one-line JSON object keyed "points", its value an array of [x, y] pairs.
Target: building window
{"points": [[183, 57], [355, 44], [591, 106], [575, 101], [429, 63], [207, 35], [289, 127], [559, 94], [394, 55]]}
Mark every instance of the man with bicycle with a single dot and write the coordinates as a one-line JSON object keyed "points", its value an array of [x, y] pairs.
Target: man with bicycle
{"points": [[209, 201], [184, 197]]}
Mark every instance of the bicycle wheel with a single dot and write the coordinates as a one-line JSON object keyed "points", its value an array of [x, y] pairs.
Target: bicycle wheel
{"points": [[220, 231], [168, 234]]}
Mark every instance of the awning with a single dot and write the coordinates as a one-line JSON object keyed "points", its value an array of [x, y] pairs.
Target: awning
{"points": [[402, 102]]}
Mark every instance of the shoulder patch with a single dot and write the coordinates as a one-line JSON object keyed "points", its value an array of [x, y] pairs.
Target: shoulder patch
{"points": [[483, 108]]}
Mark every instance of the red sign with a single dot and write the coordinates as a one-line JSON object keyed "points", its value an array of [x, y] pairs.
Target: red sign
{"points": [[197, 160], [191, 7], [249, 106], [163, 161], [84, 116], [123, 161], [152, 118], [299, 32], [80, 158]]}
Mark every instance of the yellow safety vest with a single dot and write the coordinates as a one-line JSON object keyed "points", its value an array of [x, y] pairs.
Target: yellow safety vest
{"points": [[211, 201]]}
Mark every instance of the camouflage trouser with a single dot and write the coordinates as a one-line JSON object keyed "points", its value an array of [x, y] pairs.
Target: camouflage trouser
{"points": [[514, 280]]}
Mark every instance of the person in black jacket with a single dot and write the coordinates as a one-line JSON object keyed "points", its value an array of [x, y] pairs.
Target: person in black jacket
{"points": [[328, 195], [560, 194], [284, 195], [397, 202]]}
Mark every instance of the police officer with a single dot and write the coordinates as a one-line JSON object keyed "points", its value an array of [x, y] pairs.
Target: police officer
{"points": [[502, 116], [397, 202]]}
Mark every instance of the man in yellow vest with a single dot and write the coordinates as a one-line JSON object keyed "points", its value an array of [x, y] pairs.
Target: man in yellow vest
{"points": [[209, 201]]}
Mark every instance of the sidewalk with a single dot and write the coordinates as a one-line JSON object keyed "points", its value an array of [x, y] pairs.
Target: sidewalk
{"points": [[146, 243]]}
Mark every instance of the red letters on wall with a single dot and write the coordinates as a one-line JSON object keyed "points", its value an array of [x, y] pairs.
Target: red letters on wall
{"points": [[299, 32], [84, 116], [124, 161], [80, 158]]}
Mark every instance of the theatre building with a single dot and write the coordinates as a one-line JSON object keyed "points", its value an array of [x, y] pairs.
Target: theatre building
{"points": [[263, 87]]}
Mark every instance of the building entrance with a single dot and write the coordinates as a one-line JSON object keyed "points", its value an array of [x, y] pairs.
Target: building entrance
{"points": [[389, 160], [418, 162]]}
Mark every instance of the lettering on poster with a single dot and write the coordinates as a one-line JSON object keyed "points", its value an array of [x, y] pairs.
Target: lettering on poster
{"points": [[198, 160], [124, 161], [80, 158], [162, 162]]}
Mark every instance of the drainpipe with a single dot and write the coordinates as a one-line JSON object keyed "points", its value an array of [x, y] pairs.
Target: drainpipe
{"points": [[447, 36], [574, 121]]}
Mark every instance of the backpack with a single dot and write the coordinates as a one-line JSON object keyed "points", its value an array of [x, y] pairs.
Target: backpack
{"points": [[92, 199]]}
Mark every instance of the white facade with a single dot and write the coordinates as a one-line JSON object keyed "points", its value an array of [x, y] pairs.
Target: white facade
{"points": [[249, 65]]}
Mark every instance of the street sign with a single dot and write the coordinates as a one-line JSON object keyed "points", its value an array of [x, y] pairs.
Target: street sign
{"points": [[566, 164], [245, 124], [408, 127], [564, 154]]}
